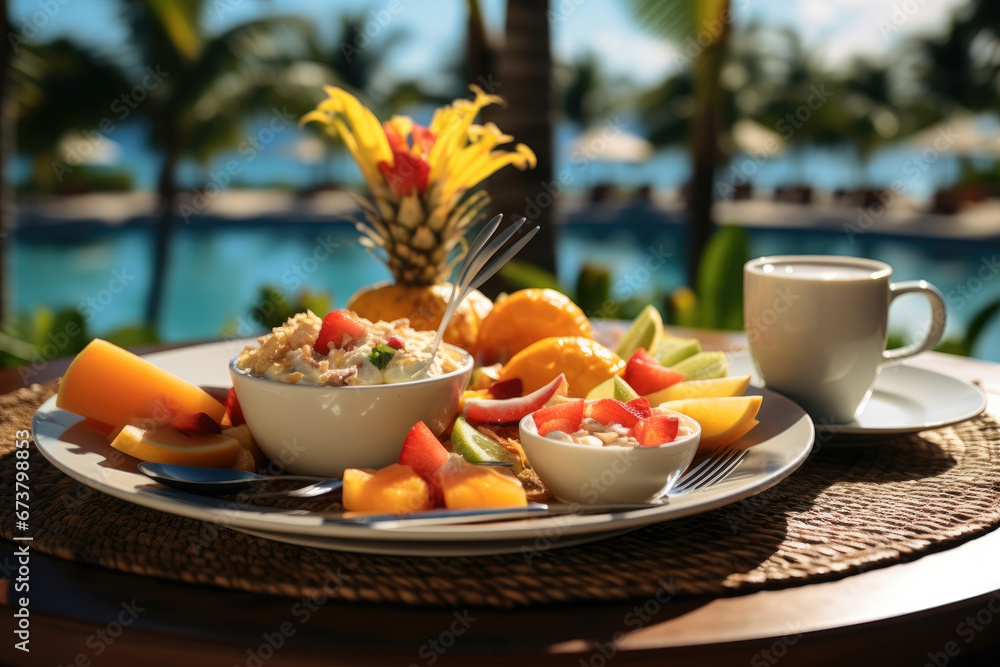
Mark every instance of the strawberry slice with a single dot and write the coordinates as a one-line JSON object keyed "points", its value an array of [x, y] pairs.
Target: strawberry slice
{"points": [[506, 388], [233, 408], [645, 374], [510, 410], [339, 330], [195, 422], [565, 417], [423, 452], [641, 406], [612, 411], [656, 430]]}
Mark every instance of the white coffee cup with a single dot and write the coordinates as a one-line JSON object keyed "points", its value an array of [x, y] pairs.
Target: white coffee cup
{"points": [[817, 328]]}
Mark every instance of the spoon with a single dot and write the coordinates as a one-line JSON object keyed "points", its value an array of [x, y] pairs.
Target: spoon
{"points": [[475, 271], [213, 481], [222, 481]]}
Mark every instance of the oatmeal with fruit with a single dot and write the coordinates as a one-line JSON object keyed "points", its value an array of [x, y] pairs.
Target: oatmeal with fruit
{"points": [[343, 349]]}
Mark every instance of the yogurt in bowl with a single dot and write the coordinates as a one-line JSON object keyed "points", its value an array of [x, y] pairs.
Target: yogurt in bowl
{"points": [[600, 463], [318, 414]]}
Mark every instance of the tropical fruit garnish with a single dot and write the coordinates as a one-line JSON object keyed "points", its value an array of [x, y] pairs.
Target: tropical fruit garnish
{"points": [[733, 385], [165, 444], [723, 420], [614, 387], [113, 386], [477, 447], [703, 366], [645, 332], [585, 363], [466, 486], [527, 316], [421, 181], [672, 350], [645, 374], [511, 410], [395, 489]]}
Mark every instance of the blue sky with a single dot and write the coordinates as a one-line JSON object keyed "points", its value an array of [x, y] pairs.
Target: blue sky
{"points": [[835, 31]]}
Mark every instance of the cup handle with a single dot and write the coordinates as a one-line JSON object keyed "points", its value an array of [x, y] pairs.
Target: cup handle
{"points": [[938, 318]]}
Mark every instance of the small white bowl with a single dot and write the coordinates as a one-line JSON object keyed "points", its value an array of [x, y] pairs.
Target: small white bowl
{"points": [[588, 475], [312, 430]]}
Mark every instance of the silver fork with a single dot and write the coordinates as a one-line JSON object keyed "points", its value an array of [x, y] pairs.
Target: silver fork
{"points": [[711, 471]]}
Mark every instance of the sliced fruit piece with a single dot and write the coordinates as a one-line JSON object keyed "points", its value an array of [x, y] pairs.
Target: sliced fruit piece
{"points": [[395, 489], [656, 430], [510, 410], [703, 366], [475, 446], [114, 386], [423, 452], [244, 461], [641, 406], [484, 376], [165, 444], [527, 316], [195, 423], [466, 486], [609, 411], [645, 332], [734, 385], [565, 417], [585, 363], [723, 420], [671, 350], [614, 387], [242, 433], [234, 413], [646, 375], [506, 388], [340, 330]]}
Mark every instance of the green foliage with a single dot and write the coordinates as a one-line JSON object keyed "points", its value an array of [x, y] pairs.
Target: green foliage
{"points": [[273, 308], [593, 289], [720, 280], [522, 275], [964, 346]]}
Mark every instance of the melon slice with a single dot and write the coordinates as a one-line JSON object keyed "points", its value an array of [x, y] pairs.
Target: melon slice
{"points": [[165, 444], [395, 489], [113, 386], [468, 486]]}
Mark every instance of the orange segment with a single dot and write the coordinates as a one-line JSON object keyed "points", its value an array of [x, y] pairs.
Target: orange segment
{"points": [[168, 445], [527, 316], [395, 489], [585, 362]]}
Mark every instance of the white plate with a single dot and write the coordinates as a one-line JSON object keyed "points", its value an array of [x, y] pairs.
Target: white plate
{"points": [[783, 440], [906, 399]]}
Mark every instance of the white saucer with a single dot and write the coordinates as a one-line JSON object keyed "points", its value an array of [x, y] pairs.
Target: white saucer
{"points": [[906, 399]]}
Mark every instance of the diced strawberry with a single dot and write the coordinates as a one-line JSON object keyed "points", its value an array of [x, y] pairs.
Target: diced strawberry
{"points": [[645, 374], [565, 417], [612, 411], [656, 430], [395, 343], [233, 409], [195, 422], [506, 388], [339, 330], [423, 452], [641, 406], [510, 410]]}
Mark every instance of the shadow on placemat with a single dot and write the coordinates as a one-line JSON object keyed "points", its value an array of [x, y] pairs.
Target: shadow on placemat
{"points": [[846, 510]]}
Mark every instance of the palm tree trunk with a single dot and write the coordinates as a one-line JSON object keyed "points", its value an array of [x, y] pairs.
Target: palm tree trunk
{"points": [[167, 190], [6, 149], [525, 81], [705, 148]]}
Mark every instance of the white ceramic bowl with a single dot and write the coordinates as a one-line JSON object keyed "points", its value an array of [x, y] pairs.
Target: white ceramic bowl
{"points": [[587, 475], [311, 430]]}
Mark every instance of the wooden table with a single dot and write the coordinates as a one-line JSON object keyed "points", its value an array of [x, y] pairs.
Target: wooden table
{"points": [[942, 609]]}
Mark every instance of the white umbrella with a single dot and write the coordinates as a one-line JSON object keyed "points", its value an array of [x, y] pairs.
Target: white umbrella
{"points": [[77, 148], [753, 138], [611, 144], [961, 134]]}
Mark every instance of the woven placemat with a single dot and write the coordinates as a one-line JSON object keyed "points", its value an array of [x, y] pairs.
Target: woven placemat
{"points": [[846, 510]]}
